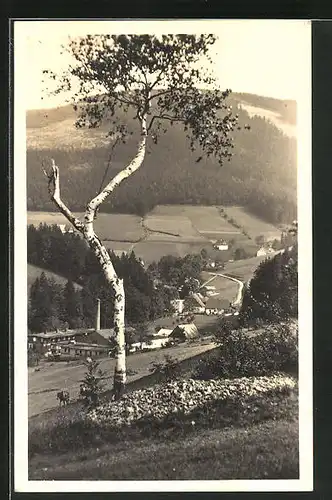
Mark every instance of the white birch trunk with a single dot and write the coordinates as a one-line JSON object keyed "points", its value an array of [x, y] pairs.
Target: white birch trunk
{"points": [[101, 252]]}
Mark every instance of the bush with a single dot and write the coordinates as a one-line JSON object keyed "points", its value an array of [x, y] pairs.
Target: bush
{"points": [[253, 353], [169, 369], [33, 358], [92, 385]]}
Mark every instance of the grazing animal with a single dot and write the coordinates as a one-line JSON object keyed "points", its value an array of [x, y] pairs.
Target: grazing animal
{"points": [[63, 397]]}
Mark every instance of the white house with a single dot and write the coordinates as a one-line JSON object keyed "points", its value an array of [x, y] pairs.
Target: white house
{"points": [[221, 245], [155, 342], [178, 305], [264, 251]]}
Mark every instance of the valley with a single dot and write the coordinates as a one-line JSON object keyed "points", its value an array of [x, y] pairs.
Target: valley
{"points": [[172, 229]]}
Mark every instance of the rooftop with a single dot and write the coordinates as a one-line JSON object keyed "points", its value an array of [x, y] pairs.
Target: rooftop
{"points": [[216, 303]]}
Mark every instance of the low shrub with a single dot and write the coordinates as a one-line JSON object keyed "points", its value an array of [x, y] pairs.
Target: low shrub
{"points": [[252, 353], [169, 369], [92, 385], [33, 358]]}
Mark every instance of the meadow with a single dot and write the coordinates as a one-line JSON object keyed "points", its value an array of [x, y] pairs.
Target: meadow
{"points": [[34, 272], [171, 229], [243, 269], [253, 225]]}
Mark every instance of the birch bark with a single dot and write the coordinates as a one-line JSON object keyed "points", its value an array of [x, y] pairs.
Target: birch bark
{"points": [[99, 250]]}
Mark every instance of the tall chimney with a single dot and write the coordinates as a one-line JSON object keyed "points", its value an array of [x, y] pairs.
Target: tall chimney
{"points": [[98, 315]]}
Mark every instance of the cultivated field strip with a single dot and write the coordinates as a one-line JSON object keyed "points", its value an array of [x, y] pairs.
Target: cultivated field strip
{"points": [[169, 229], [253, 225]]}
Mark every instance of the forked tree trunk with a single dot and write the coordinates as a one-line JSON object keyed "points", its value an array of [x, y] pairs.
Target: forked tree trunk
{"points": [[101, 253]]}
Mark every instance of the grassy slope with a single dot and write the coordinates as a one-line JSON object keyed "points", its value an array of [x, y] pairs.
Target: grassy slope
{"points": [[264, 451], [34, 272]]}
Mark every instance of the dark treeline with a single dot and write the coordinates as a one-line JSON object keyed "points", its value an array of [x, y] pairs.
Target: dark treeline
{"points": [[261, 175], [64, 254], [272, 294]]}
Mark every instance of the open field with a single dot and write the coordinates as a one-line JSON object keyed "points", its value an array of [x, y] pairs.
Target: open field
{"points": [[204, 219], [268, 450], [244, 269], [119, 246], [150, 250], [253, 225], [225, 288], [34, 272], [117, 227], [176, 225], [170, 229], [52, 377]]}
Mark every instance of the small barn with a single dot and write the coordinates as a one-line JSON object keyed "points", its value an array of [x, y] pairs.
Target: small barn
{"points": [[162, 333], [185, 332]]}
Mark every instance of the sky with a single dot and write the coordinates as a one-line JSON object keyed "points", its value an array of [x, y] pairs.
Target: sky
{"points": [[265, 57]]}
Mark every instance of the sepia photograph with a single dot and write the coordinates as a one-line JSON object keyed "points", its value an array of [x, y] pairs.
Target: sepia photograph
{"points": [[163, 246]]}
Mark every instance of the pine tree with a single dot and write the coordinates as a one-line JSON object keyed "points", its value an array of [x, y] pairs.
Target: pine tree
{"points": [[72, 307], [44, 305]]}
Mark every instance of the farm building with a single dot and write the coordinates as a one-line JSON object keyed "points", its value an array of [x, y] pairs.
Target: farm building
{"points": [[57, 336], [215, 305], [185, 332], [221, 245], [193, 305], [163, 332], [155, 341], [84, 349], [264, 251], [85, 335]]}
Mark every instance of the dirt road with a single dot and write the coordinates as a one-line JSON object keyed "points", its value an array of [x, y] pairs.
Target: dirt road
{"points": [[44, 384]]}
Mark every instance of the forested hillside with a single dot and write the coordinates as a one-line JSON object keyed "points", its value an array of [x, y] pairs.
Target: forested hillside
{"points": [[54, 301], [261, 175]]}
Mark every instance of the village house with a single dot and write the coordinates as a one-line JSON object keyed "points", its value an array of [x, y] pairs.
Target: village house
{"points": [[264, 251], [162, 332], [194, 304], [84, 350], [48, 338], [216, 305], [221, 245]]}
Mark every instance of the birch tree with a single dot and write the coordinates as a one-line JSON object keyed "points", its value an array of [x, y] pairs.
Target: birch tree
{"points": [[159, 81]]}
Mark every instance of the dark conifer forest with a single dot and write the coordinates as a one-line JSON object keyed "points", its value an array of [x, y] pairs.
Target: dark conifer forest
{"points": [[261, 175]]}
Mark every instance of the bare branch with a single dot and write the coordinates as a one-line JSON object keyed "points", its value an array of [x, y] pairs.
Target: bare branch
{"points": [[54, 190], [165, 117], [121, 176]]}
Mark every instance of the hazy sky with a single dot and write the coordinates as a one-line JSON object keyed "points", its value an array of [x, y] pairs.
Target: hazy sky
{"points": [[266, 57]]}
